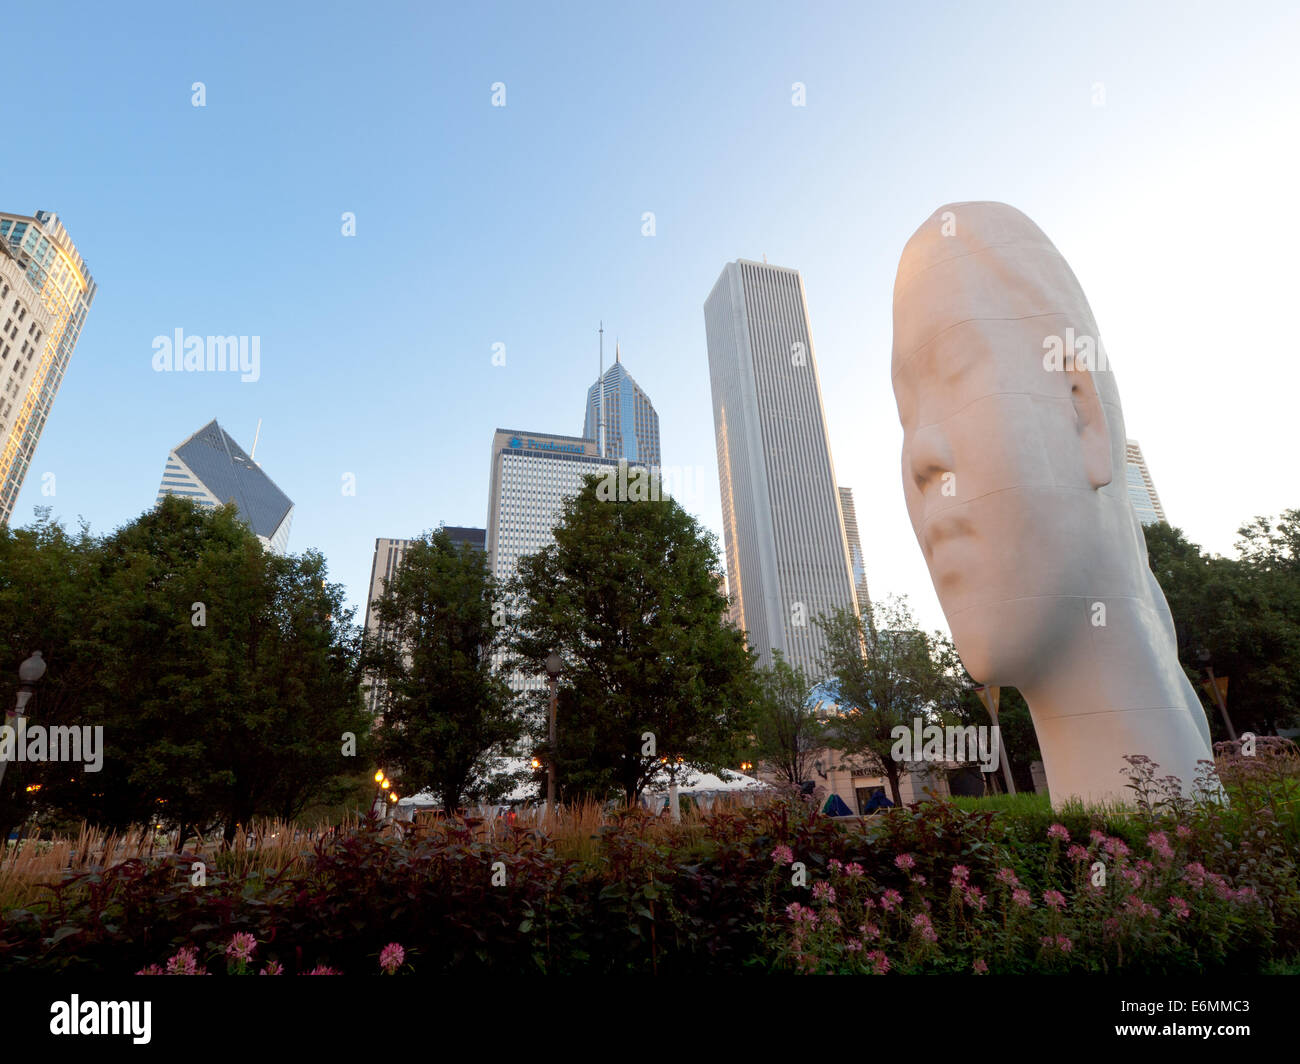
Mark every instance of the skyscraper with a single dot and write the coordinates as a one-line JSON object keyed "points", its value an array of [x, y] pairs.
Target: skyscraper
{"points": [[787, 555], [857, 561], [45, 292], [631, 424], [1141, 489], [211, 468], [531, 476]]}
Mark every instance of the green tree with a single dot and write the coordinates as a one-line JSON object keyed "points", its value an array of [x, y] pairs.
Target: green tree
{"points": [[787, 729], [224, 678], [46, 577], [447, 709], [627, 594], [886, 673], [1244, 611]]}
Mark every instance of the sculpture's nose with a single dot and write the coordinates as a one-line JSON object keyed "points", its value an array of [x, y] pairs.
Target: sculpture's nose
{"points": [[929, 458]]}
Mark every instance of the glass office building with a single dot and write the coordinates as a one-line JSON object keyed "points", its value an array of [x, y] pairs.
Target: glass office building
{"points": [[1141, 488], [631, 424], [212, 469], [45, 292]]}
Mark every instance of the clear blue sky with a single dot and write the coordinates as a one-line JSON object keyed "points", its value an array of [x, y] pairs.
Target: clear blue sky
{"points": [[1173, 199]]}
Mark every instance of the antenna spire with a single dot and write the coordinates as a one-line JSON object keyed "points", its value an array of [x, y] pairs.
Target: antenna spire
{"points": [[600, 383]]}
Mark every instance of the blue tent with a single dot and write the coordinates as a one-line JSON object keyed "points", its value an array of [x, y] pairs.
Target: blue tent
{"points": [[835, 807]]}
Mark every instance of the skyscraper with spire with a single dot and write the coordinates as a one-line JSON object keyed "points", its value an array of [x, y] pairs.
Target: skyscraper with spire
{"points": [[631, 423]]}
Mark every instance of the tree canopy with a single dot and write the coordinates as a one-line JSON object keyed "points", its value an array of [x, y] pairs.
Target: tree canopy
{"points": [[628, 595]]}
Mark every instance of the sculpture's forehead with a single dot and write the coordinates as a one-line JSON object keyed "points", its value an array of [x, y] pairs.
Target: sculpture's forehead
{"points": [[982, 262]]}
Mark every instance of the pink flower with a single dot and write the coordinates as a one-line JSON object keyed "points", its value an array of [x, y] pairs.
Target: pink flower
{"points": [[1021, 897], [1076, 853], [1116, 848], [801, 914], [1058, 831], [980, 967], [151, 969], [922, 923], [272, 968], [1008, 876], [905, 861], [1179, 907], [853, 946], [322, 969], [1159, 843], [1054, 898], [889, 899], [919, 879], [186, 962], [960, 873], [823, 891], [834, 865], [1134, 878], [1183, 831], [974, 898], [870, 930], [1135, 905], [241, 947], [1097, 837], [783, 855], [855, 870], [881, 962], [1195, 874], [392, 957], [1059, 942]]}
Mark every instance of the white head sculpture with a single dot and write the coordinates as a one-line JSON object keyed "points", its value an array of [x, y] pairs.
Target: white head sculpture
{"points": [[1014, 474]]}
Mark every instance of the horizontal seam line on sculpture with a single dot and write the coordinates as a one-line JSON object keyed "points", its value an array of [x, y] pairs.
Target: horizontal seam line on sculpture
{"points": [[977, 251], [1014, 487], [966, 321], [1030, 598]]}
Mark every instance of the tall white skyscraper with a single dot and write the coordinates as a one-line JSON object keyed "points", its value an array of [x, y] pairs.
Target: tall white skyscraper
{"points": [[856, 558], [787, 554], [1141, 488], [45, 292], [212, 469], [631, 423]]}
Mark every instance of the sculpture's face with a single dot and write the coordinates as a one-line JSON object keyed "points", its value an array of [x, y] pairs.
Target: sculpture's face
{"points": [[1007, 465]]}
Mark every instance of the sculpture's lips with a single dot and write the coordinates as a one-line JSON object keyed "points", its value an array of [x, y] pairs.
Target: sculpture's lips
{"points": [[941, 530]]}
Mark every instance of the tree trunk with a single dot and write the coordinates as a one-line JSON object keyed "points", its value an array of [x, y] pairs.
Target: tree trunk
{"points": [[892, 774]]}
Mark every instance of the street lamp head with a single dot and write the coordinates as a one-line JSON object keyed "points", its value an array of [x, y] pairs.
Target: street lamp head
{"points": [[553, 664], [31, 670]]}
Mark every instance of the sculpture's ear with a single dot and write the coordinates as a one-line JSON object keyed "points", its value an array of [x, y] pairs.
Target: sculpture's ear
{"points": [[1090, 423]]}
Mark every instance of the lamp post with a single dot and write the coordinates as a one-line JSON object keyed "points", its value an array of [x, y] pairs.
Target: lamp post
{"points": [[1204, 657], [29, 675], [553, 664]]}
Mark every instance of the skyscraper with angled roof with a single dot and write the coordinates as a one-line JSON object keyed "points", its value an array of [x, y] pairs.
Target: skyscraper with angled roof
{"points": [[212, 469], [631, 423]]}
